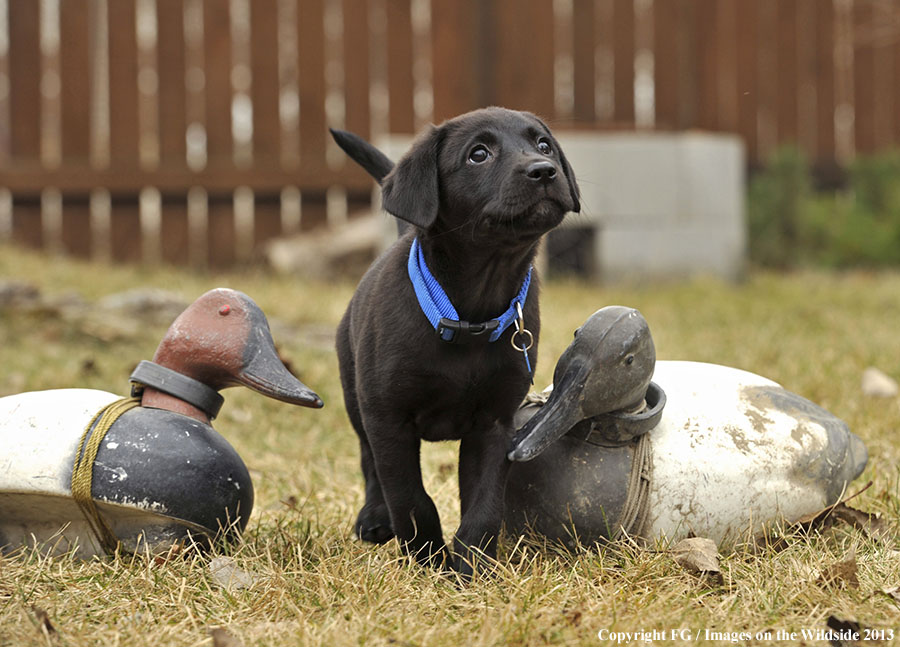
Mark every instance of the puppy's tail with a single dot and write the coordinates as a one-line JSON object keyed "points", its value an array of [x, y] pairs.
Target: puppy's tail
{"points": [[375, 163]]}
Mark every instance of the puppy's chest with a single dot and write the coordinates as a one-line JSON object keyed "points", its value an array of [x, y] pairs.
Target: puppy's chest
{"points": [[453, 404]]}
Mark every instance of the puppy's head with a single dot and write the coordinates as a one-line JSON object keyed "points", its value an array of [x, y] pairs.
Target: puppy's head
{"points": [[493, 172]]}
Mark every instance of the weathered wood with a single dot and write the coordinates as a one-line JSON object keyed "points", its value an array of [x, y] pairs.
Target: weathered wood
{"points": [[402, 116], [357, 77], [174, 232], [124, 137], [665, 64], [623, 61], [221, 235], [266, 116], [824, 74], [583, 62], [523, 77], [171, 91], [24, 63], [75, 97], [462, 61], [747, 75], [313, 124], [787, 111]]}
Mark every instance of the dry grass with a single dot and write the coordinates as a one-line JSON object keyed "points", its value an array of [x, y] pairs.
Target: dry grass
{"points": [[315, 585]]}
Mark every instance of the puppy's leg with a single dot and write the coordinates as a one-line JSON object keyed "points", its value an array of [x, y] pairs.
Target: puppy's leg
{"points": [[373, 523], [483, 469], [414, 517]]}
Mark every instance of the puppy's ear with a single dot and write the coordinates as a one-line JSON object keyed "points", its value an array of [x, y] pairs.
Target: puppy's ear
{"points": [[567, 170], [410, 191]]}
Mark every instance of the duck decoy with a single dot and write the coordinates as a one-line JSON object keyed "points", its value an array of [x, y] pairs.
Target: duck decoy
{"points": [[88, 471], [698, 450]]}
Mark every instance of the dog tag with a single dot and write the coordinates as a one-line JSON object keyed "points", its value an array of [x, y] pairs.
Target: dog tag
{"points": [[527, 339]]}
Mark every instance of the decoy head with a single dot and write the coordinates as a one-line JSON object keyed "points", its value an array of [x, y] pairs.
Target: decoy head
{"points": [[606, 368], [223, 340]]}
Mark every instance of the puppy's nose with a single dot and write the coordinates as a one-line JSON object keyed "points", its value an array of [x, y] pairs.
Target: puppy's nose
{"points": [[541, 171]]}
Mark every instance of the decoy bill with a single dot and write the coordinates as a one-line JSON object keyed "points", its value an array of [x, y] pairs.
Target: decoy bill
{"points": [[86, 470], [703, 449]]}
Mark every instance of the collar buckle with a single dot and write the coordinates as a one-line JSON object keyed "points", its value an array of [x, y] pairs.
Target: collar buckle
{"points": [[461, 332]]}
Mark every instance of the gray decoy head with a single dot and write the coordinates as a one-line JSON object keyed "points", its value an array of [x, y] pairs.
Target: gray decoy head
{"points": [[606, 368]]}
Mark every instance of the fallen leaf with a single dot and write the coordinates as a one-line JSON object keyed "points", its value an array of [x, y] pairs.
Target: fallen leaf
{"points": [[226, 573], [46, 627], [221, 638], [698, 555], [842, 573], [573, 617], [873, 525], [848, 632]]}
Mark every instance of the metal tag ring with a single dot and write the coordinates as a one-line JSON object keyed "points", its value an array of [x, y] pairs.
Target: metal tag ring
{"points": [[522, 331]]}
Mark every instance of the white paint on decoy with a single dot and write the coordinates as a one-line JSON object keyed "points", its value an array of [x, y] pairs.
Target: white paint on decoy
{"points": [[735, 452]]}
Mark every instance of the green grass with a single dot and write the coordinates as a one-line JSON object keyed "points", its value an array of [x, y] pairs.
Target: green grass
{"points": [[316, 585]]}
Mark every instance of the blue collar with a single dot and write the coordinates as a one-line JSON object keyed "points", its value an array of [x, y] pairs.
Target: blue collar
{"points": [[435, 304]]}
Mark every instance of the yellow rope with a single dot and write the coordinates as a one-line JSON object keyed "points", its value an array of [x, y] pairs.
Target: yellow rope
{"points": [[637, 499], [83, 469]]}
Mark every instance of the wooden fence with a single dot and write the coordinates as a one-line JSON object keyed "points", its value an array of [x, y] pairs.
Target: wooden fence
{"points": [[192, 131]]}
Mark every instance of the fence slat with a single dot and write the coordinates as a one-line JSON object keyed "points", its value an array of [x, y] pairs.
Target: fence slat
{"points": [[863, 80], [883, 53], [787, 32], [523, 73], [665, 64], [356, 68], [24, 62], [707, 61], [583, 62], [824, 79], [461, 60], [623, 61], [75, 98], [172, 111], [266, 116], [747, 76], [220, 228], [311, 70], [402, 117], [125, 217]]}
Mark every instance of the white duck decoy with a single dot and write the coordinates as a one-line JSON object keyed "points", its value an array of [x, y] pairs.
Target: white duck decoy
{"points": [[160, 472], [702, 450]]}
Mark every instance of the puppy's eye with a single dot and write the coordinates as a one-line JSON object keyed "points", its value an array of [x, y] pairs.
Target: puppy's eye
{"points": [[629, 360], [544, 146], [479, 154]]}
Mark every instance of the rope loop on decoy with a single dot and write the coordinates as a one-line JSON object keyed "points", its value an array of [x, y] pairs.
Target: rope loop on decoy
{"points": [[83, 469]]}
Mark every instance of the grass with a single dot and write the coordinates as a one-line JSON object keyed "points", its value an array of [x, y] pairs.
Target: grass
{"points": [[314, 584]]}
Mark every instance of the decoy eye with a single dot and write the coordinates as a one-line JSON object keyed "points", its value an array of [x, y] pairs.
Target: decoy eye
{"points": [[224, 310], [479, 154], [629, 360]]}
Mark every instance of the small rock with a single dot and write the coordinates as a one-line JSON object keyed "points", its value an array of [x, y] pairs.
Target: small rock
{"points": [[15, 294], [226, 573], [878, 385], [145, 303]]}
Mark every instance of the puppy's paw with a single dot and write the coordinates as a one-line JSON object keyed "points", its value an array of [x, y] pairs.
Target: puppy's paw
{"points": [[373, 524]]}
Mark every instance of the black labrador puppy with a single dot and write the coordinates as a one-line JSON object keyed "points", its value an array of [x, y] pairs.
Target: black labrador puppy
{"points": [[440, 338]]}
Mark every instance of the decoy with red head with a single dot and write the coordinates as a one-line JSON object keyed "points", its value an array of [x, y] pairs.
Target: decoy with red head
{"points": [[159, 473]]}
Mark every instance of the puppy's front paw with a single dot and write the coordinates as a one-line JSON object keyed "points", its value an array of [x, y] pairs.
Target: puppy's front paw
{"points": [[373, 524]]}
